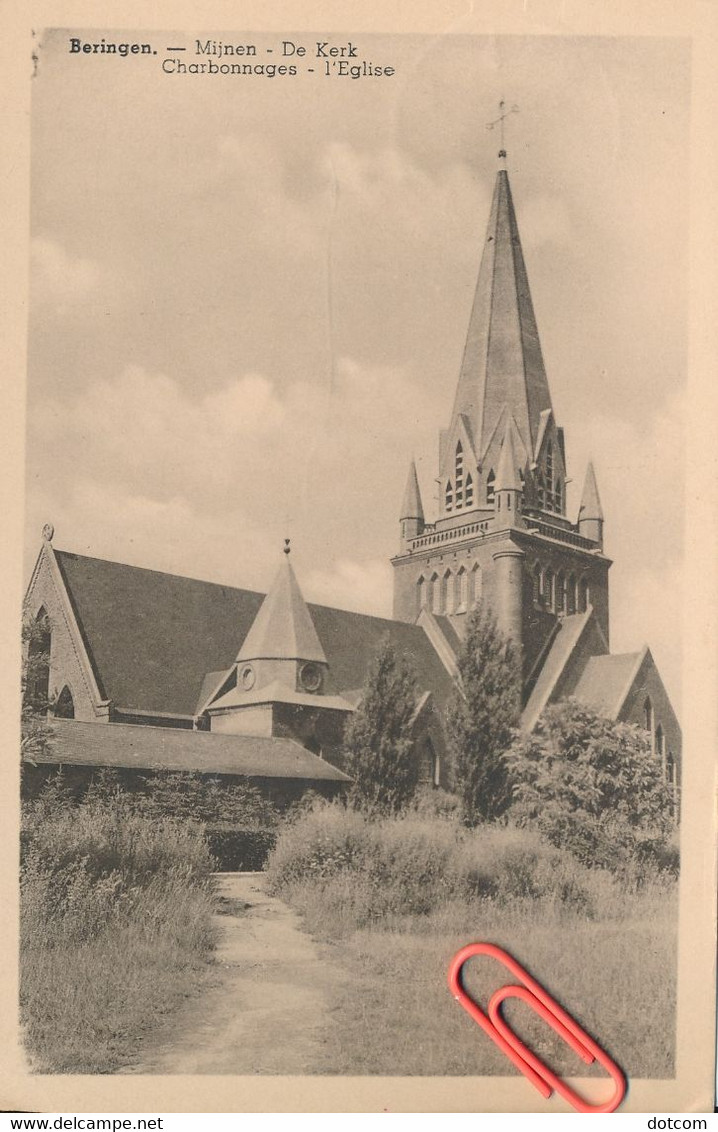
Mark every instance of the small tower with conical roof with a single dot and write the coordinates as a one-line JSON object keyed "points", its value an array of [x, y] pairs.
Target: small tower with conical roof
{"points": [[412, 511], [590, 512], [281, 675]]}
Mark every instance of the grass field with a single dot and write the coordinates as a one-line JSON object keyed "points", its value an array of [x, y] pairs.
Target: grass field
{"points": [[399, 1017], [605, 950], [116, 931]]}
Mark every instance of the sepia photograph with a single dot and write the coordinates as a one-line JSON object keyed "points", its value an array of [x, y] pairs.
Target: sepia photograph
{"points": [[354, 557]]}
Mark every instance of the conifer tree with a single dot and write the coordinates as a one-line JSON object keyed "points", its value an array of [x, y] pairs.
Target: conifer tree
{"points": [[378, 743], [482, 717]]}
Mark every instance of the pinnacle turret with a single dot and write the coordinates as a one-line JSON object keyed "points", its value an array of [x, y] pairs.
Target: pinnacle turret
{"points": [[590, 511], [412, 511], [507, 473]]}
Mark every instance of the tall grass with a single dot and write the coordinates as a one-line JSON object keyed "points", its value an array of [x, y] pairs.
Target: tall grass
{"points": [[394, 899], [344, 870], [115, 928]]}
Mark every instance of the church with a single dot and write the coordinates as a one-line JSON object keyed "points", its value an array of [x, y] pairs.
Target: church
{"points": [[150, 671]]}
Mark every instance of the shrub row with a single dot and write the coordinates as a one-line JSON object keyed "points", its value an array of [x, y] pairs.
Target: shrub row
{"points": [[414, 865]]}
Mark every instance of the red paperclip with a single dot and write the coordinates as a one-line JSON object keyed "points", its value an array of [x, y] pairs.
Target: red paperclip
{"points": [[535, 996]]}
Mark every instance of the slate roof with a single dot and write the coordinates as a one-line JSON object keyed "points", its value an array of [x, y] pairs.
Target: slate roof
{"points": [[502, 362], [169, 748], [605, 681], [152, 637], [283, 629], [561, 651]]}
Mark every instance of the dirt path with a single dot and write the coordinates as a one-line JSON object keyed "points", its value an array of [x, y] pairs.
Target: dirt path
{"points": [[270, 1009]]}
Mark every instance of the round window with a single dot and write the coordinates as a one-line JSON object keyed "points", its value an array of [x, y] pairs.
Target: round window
{"points": [[311, 677], [247, 677]]}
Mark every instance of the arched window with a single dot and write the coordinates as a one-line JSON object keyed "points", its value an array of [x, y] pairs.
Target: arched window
{"points": [[65, 705], [548, 590], [659, 750], [476, 585], [648, 715], [490, 492], [435, 594], [421, 596], [429, 766], [560, 592], [541, 488], [447, 592], [558, 497], [469, 491], [37, 681], [449, 496], [671, 773], [583, 595], [571, 594], [462, 589], [536, 583]]}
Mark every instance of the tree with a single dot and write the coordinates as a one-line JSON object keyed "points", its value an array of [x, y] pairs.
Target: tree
{"points": [[36, 732], [378, 741], [482, 717], [590, 785]]}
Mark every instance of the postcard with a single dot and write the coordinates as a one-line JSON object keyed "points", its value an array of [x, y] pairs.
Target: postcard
{"points": [[362, 580]]}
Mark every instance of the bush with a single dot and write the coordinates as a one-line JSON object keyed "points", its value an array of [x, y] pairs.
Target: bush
{"points": [[115, 925], [589, 784], [240, 850], [343, 869]]}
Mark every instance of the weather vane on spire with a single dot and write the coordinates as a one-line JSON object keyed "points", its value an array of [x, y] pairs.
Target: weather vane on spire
{"points": [[287, 547], [503, 115]]}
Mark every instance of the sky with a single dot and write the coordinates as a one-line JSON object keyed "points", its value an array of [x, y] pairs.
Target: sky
{"points": [[249, 299]]}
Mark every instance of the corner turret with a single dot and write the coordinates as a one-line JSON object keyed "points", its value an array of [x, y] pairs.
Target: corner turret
{"points": [[412, 511], [590, 512]]}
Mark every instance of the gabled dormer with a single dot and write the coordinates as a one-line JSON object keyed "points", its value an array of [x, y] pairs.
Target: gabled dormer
{"points": [[459, 480], [548, 471]]}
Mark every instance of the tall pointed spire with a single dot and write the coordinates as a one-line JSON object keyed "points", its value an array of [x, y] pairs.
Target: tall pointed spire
{"points": [[502, 362], [411, 507], [283, 628]]}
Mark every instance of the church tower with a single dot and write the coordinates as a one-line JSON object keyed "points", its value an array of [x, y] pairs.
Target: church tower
{"points": [[502, 536]]}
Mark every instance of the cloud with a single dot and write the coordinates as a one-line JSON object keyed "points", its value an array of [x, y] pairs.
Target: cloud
{"points": [[200, 481], [361, 585], [58, 275]]}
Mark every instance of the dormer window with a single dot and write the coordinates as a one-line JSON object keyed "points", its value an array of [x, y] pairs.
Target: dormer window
{"points": [[490, 492], [449, 496], [459, 476], [459, 463], [469, 491]]}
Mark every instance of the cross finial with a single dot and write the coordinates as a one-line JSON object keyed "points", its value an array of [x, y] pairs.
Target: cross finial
{"points": [[503, 115], [287, 547]]}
